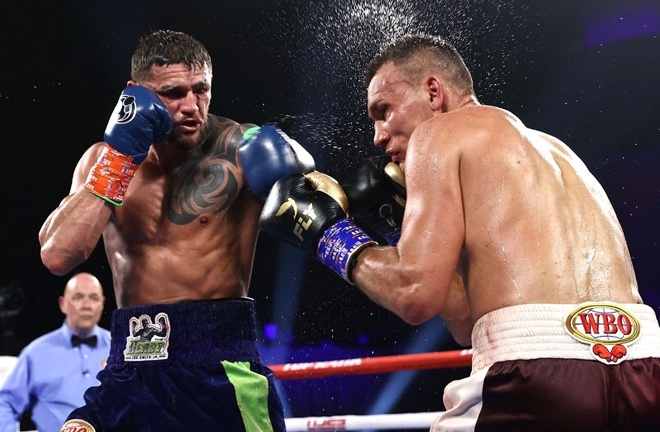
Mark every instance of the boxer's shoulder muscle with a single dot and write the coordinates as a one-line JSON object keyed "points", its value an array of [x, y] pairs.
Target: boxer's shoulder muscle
{"points": [[225, 136]]}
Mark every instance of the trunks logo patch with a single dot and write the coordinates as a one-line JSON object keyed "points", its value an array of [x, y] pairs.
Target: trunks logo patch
{"points": [[606, 327], [147, 340]]}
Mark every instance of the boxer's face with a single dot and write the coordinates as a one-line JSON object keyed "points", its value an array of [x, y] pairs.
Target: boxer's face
{"points": [[186, 93], [397, 107]]}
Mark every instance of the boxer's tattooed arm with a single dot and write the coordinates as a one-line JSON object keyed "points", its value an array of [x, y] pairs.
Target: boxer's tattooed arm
{"points": [[207, 183]]}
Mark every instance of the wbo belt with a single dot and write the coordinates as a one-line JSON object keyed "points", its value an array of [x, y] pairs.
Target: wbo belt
{"points": [[599, 331], [184, 333]]}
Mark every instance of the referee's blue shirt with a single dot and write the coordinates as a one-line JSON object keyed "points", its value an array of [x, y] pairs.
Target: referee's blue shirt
{"points": [[51, 376]]}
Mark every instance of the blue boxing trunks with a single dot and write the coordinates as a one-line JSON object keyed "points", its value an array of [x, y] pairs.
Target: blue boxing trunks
{"points": [[591, 367], [188, 366]]}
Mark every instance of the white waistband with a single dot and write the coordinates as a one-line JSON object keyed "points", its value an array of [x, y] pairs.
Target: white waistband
{"points": [[539, 331]]}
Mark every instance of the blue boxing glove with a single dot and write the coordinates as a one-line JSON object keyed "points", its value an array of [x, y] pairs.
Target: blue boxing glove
{"points": [[309, 211], [268, 154], [139, 120]]}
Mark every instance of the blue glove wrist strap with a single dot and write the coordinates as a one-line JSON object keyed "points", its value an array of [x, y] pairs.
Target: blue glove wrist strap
{"points": [[339, 243]]}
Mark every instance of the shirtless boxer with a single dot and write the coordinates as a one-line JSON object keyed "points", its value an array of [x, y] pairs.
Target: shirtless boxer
{"points": [[509, 238], [176, 194]]}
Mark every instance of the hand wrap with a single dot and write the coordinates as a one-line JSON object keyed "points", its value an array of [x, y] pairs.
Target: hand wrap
{"points": [[110, 175]]}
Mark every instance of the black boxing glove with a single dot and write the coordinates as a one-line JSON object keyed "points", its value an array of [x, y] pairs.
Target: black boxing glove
{"points": [[309, 211], [377, 198]]}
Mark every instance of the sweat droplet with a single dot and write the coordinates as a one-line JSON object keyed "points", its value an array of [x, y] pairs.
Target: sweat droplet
{"points": [[337, 42]]}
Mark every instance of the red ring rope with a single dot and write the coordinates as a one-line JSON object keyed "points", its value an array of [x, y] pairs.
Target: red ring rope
{"points": [[368, 365]]}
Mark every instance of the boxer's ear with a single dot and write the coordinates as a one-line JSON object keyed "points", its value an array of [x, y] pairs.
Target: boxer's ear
{"points": [[435, 88]]}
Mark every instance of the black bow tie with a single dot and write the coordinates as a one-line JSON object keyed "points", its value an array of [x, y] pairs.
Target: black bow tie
{"points": [[77, 340]]}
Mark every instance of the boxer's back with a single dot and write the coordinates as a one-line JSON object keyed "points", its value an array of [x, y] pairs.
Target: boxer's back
{"points": [[539, 227]]}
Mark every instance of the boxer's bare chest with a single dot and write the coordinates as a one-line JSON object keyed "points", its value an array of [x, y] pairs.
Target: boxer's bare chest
{"points": [[187, 201]]}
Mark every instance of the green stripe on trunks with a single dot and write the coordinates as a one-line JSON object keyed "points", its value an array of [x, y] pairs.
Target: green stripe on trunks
{"points": [[251, 394]]}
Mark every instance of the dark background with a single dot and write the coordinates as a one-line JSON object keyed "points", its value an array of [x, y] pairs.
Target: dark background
{"points": [[585, 71]]}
